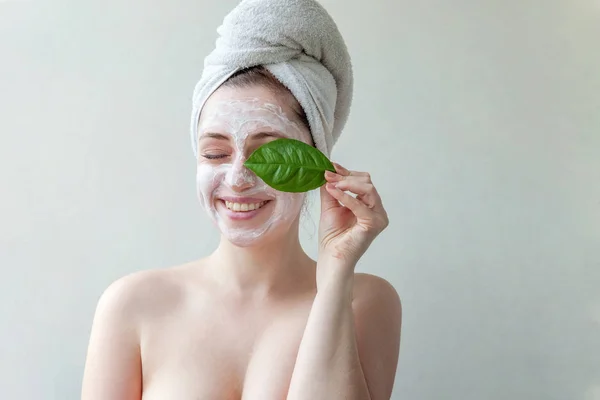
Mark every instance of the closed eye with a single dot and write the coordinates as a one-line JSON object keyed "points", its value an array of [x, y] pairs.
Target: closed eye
{"points": [[214, 156]]}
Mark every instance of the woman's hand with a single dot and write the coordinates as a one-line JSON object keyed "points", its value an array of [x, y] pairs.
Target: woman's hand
{"points": [[346, 230]]}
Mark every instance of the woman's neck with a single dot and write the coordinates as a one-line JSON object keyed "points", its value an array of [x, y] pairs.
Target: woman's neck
{"points": [[267, 269]]}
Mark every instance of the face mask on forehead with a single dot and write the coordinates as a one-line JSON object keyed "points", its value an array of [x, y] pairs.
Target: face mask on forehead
{"points": [[238, 120]]}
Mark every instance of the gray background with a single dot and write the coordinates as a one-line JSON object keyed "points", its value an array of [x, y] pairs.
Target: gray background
{"points": [[479, 121]]}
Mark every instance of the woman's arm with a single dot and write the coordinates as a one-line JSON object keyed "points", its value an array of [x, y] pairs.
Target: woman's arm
{"points": [[343, 357], [113, 367], [350, 345]]}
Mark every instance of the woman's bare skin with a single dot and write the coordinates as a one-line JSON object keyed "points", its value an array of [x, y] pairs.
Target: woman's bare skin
{"points": [[183, 336]]}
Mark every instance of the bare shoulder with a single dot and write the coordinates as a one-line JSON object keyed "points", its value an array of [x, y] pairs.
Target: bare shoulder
{"points": [[144, 293], [113, 364], [377, 309], [378, 319], [370, 288]]}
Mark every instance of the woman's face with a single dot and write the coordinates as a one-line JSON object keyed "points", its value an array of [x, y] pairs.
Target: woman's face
{"points": [[234, 122]]}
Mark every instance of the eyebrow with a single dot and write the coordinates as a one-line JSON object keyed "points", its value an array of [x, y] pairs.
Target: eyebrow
{"points": [[262, 135], [254, 136], [211, 135]]}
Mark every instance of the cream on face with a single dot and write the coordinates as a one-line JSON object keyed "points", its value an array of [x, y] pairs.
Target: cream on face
{"points": [[234, 128]]}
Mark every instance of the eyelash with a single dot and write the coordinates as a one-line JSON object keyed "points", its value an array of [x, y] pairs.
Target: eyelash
{"points": [[214, 157]]}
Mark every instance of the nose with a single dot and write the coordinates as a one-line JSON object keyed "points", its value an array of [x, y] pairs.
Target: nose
{"points": [[240, 178]]}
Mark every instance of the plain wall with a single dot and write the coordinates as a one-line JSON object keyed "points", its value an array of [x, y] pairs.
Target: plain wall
{"points": [[480, 124]]}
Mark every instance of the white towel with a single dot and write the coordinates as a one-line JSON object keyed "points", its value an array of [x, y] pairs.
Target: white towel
{"points": [[300, 44]]}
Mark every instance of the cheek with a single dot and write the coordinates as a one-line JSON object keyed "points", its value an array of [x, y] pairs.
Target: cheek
{"points": [[208, 179], [289, 204]]}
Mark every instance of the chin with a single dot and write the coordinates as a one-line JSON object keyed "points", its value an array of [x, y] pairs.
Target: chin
{"points": [[253, 236], [248, 237]]}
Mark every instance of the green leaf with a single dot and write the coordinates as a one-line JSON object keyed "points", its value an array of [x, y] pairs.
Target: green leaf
{"points": [[289, 165]]}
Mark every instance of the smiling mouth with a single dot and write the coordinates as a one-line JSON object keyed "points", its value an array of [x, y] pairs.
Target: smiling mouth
{"points": [[244, 207]]}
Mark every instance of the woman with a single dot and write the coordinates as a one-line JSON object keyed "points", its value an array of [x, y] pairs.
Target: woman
{"points": [[258, 318]]}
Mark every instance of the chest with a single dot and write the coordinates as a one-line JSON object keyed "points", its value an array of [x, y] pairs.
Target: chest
{"points": [[218, 353]]}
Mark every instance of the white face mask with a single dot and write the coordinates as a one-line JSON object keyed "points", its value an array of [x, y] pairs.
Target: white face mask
{"points": [[239, 121]]}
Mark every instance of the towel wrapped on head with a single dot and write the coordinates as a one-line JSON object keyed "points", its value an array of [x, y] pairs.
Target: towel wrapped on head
{"points": [[298, 42]]}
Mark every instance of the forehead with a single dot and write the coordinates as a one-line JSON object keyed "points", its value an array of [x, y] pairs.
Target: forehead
{"points": [[233, 106]]}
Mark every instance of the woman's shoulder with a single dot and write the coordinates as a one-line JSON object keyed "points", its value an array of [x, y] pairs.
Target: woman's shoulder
{"points": [[378, 312], [147, 291], [369, 288]]}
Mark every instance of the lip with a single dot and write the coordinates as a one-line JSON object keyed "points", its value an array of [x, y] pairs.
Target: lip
{"points": [[241, 215]]}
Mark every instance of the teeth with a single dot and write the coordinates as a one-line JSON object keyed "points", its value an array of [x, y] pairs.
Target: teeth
{"points": [[244, 206]]}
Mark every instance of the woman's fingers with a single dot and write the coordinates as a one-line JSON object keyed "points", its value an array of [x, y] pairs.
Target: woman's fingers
{"points": [[327, 200], [357, 207], [360, 185], [365, 192], [359, 176], [341, 170], [367, 205], [345, 172]]}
